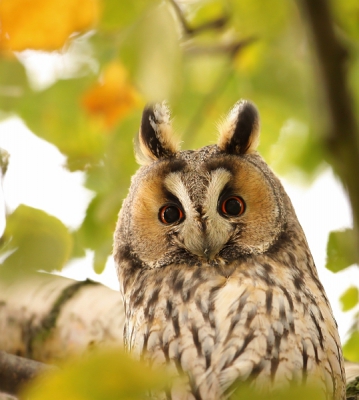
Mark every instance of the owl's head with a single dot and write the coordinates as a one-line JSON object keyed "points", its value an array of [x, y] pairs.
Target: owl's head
{"points": [[211, 205]]}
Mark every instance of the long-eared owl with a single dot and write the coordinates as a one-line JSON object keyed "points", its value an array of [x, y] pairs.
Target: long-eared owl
{"points": [[216, 275]]}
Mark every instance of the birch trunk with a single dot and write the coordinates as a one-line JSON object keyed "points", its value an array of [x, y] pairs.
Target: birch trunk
{"points": [[48, 318]]}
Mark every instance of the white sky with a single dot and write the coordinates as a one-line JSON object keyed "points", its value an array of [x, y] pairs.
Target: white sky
{"points": [[36, 177]]}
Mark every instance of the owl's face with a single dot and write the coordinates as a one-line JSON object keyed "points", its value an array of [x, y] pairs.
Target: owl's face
{"points": [[210, 206]]}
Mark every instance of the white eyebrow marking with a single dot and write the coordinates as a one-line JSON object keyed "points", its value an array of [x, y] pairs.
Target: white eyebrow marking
{"points": [[220, 177], [174, 184]]}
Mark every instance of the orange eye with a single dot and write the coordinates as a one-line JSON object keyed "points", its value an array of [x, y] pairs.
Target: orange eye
{"points": [[170, 213], [233, 206]]}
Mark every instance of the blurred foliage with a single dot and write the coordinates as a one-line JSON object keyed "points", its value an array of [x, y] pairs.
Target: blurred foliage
{"points": [[351, 346], [45, 25], [293, 393], [121, 377], [110, 375], [341, 250], [29, 229], [350, 298], [201, 56]]}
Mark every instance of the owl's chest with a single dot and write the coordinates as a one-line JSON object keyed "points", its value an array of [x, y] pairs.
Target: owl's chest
{"points": [[219, 330]]}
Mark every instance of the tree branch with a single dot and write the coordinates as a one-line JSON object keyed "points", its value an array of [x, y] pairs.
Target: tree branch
{"points": [[217, 23], [16, 371], [230, 49], [49, 318], [342, 139]]}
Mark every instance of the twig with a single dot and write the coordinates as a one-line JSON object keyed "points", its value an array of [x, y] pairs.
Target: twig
{"points": [[16, 371], [217, 23], [230, 48]]}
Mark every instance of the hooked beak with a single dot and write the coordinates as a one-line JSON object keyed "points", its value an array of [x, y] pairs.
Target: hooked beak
{"points": [[209, 253], [202, 246]]}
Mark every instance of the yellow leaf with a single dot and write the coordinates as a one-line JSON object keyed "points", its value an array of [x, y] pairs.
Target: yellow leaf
{"points": [[43, 24], [249, 58], [110, 374], [113, 97]]}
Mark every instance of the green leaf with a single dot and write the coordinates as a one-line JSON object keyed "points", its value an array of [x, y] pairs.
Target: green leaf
{"points": [[346, 15], [117, 14], [109, 375], [78, 248], [110, 181], [271, 18], [101, 256], [351, 347], [96, 231], [298, 153], [310, 391], [34, 240], [13, 84], [341, 250], [205, 12], [153, 62], [350, 298], [56, 115]]}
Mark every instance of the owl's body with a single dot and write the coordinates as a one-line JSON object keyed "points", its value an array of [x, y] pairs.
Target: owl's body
{"points": [[218, 281]]}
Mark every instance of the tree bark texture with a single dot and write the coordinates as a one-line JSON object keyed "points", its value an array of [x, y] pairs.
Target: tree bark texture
{"points": [[16, 371], [342, 136], [49, 318]]}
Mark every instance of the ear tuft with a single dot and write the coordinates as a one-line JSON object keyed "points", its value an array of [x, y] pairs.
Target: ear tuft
{"points": [[155, 139], [239, 132]]}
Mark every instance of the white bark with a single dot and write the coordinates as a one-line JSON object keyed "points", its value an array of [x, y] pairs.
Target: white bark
{"points": [[48, 318]]}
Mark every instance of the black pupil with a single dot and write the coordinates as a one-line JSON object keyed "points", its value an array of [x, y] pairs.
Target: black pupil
{"points": [[171, 214], [233, 207]]}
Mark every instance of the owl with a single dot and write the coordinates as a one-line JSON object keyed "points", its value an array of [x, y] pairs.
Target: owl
{"points": [[217, 278]]}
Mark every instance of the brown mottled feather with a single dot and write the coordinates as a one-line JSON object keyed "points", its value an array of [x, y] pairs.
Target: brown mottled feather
{"points": [[218, 298]]}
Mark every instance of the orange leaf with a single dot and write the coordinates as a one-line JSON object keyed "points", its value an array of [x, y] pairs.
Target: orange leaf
{"points": [[113, 97], [43, 24]]}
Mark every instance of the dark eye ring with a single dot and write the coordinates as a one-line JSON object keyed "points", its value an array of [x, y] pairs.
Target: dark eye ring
{"points": [[233, 206], [170, 214]]}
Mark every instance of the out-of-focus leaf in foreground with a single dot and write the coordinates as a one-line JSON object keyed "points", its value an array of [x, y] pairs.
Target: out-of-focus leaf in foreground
{"points": [[347, 16], [341, 250], [34, 240], [350, 298], [312, 391], [109, 375], [43, 24]]}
